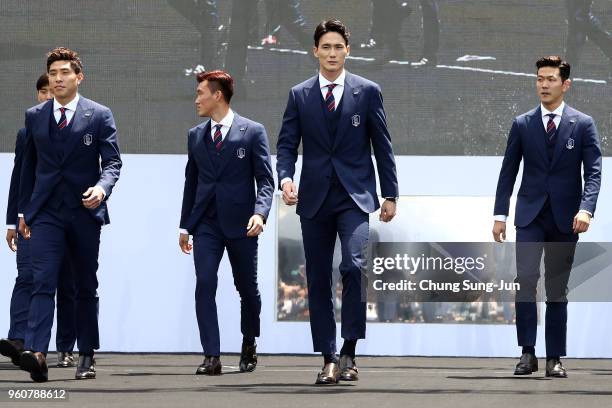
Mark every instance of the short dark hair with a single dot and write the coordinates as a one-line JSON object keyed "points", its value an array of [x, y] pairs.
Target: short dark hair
{"points": [[218, 81], [555, 61], [65, 54], [42, 81], [332, 25]]}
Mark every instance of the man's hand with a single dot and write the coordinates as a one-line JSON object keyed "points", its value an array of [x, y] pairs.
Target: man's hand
{"points": [[11, 239], [255, 226], [186, 247], [24, 230], [290, 196], [93, 197], [387, 211], [499, 231], [582, 221]]}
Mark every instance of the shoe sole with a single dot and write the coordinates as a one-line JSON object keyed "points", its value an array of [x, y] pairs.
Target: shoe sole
{"points": [[85, 377], [556, 376], [30, 364]]}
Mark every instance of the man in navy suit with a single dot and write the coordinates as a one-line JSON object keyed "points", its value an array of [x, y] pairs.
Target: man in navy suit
{"points": [[12, 346], [226, 201], [71, 163], [339, 118], [556, 143]]}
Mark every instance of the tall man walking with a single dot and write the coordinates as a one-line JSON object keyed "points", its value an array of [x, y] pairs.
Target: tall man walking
{"points": [[70, 166], [339, 118], [556, 144]]}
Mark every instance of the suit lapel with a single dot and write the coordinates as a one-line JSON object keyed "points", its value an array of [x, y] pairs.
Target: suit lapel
{"points": [[350, 98], [80, 121], [234, 134], [41, 127], [538, 134], [199, 145], [566, 128], [313, 99]]}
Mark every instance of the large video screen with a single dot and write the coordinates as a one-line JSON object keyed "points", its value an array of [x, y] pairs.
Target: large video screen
{"points": [[478, 73]]}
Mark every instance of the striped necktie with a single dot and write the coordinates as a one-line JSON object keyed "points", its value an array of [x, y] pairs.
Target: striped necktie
{"points": [[330, 102], [217, 137]]}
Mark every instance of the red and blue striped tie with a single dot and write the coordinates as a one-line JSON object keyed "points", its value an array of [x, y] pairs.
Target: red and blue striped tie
{"points": [[551, 128], [217, 137], [329, 97], [63, 121]]}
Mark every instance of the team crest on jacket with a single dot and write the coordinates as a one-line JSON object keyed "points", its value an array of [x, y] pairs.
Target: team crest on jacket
{"points": [[87, 139], [356, 120], [570, 144], [241, 152]]}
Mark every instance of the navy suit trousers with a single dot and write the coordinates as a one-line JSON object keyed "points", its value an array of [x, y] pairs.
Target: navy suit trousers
{"points": [[209, 244], [338, 216], [543, 236], [20, 300], [55, 233]]}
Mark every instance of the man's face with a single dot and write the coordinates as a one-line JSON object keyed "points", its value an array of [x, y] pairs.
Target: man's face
{"points": [[44, 94], [63, 80], [331, 52], [550, 86], [205, 100]]}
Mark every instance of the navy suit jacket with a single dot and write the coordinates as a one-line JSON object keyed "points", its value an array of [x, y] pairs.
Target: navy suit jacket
{"points": [[13, 198], [91, 157], [245, 168], [560, 180], [362, 127]]}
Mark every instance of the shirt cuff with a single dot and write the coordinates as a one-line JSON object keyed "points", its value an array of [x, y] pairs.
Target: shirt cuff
{"points": [[501, 218], [283, 181], [11, 227], [20, 215], [183, 231], [588, 212]]}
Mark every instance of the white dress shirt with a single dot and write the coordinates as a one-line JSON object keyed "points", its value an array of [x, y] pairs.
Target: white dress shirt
{"points": [[70, 109], [226, 124], [545, 118]]}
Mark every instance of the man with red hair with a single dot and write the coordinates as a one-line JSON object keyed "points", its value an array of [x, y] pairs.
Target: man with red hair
{"points": [[228, 160]]}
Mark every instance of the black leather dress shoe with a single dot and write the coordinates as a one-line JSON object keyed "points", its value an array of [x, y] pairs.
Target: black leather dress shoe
{"points": [[35, 364], [527, 364], [86, 370], [11, 349], [348, 369], [210, 366], [329, 374], [554, 368], [65, 359], [248, 358]]}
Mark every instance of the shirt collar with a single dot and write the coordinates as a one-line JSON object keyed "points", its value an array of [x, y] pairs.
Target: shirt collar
{"points": [[339, 81], [226, 121], [72, 105], [558, 111]]}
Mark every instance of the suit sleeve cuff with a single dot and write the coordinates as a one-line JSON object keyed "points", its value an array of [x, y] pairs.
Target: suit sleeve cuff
{"points": [[103, 190], [10, 226], [283, 181], [501, 218], [183, 231]]}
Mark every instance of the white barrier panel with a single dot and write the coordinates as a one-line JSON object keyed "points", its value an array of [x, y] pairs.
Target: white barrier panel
{"points": [[147, 284]]}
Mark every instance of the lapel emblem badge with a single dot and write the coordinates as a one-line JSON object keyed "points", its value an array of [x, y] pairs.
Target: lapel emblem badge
{"points": [[356, 120], [241, 152], [87, 139], [570, 144]]}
